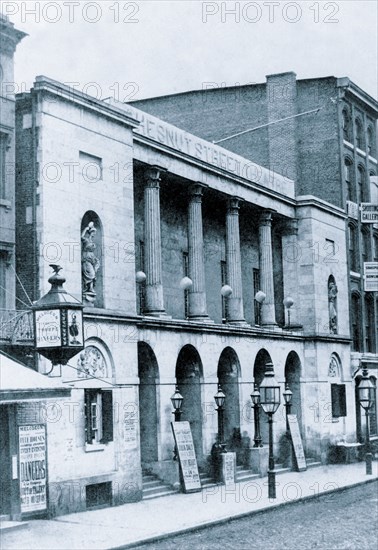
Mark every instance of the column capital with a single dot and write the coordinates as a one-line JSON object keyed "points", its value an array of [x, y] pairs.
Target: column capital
{"points": [[196, 191], [152, 175], [290, 226], [233, 205], [266, 217]]}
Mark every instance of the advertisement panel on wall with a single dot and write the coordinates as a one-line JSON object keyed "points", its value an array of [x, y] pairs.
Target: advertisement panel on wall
{"points": [[33, 468]]}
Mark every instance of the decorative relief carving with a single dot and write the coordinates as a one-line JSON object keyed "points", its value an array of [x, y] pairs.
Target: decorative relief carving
{"points": [[91, 363]]}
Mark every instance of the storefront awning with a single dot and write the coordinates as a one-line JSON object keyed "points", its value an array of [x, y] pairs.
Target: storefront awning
{"points": [[20, 383]]}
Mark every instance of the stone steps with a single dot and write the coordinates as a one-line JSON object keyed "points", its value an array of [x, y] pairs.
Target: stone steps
{"points": [[153, 487]]}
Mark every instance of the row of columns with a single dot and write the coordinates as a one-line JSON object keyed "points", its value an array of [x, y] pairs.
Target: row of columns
{"points": [[197, 293]]}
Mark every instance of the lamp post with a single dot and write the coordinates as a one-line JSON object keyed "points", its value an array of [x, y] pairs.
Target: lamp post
{"points": [[260, 298], [176, 401], [255, 397], [270, 401], [288, 396], [220, 398], [366, 398], [288, 302]]}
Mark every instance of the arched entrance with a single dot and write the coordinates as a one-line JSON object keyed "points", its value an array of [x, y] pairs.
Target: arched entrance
{"points": [[148, 372], [228, 378], [262, 358], [189, 375], [292, 378]]}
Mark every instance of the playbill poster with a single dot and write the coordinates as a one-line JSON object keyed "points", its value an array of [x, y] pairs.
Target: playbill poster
{"points": [[32, 453]]}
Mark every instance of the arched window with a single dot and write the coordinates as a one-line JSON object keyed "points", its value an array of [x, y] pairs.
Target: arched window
{"points": [[332, 305], [356, 322], [353, 250], [365, 245], [361, 184], [359, 134], [349, 179], [347, 134], [92, 260], [371, 142]]}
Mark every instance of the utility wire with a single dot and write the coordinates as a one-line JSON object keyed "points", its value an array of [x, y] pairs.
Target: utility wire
{"points": [[22, 286]]}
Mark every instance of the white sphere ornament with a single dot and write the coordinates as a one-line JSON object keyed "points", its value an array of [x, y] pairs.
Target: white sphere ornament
{"points": [[140, 277], [260, 296], [226, 291], [186, 283]]}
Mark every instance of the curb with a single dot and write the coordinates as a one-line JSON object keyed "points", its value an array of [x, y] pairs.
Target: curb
{"points": [[212, 523]]}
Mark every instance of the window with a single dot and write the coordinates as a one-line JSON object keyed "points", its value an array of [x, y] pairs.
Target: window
{"points": [[348, 173], [98, 416], [338, 400], [256, 288], [356, 322], [359, 134], [223, 266], [98, 495], [90, 168], [346, 126], [375, 239], [365, 245], [361, 183], [3, 150], [369, 325], [371, 141], [352, 241], [185, 263]]}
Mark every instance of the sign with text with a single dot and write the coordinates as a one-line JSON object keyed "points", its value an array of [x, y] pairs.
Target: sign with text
{"points": [[371, 276], [48, 330], [187, 456], [369, 212], [297, 442], [33, 469], [228, 468]]}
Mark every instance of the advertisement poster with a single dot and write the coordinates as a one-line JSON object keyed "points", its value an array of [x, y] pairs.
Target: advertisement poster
{"points": [[33, 469], [187, 456]]}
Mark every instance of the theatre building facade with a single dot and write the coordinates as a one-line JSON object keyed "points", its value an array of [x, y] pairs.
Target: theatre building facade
{"points": [[167, 239]]}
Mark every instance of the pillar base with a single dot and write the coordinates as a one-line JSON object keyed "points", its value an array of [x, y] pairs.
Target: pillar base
{"points": [[258, 460], [240, 323], [157, 315], [200, 319]]}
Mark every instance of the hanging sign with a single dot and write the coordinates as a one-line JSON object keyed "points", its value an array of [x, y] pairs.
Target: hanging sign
{"points": [[371, 276], [33, 468], [297, 442], [187, 456], [369, 212]]}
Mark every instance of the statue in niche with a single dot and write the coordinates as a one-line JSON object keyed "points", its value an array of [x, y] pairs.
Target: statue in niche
{"points": [[89, 262], [332, 307]]}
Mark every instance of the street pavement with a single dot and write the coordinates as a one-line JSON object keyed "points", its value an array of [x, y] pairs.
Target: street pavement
{"points": [[130, 524]]}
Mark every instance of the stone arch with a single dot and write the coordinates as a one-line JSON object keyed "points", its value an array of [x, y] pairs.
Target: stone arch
{"points": [[228, 378], [262, 358], [148, 372], [189, 377], [92, 259]]}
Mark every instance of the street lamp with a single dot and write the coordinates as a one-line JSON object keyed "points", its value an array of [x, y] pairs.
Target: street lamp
{"points": [[255, 397], [288, 396], [220, 398], [260, 298], [366, 398], [270, 401], [288, 302], [176, 401]]}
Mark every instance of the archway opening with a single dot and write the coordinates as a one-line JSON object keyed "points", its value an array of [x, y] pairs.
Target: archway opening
{"points": [[293, 379], [189, 375], [228, 379], [148, 372]]}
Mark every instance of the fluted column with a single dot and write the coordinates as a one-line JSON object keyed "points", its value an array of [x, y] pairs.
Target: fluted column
{"points": [[290, 258], [197, 293], [152, 242], [233, 260], [268, 315]]}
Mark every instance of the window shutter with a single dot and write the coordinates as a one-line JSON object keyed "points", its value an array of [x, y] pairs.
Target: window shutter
{"points": [[107, 416], [88, 416]]}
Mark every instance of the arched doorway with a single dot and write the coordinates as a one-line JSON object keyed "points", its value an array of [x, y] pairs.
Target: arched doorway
{"points": [[189, 375], [262, 358], [228, 379], [148, 372], [292, 378]]}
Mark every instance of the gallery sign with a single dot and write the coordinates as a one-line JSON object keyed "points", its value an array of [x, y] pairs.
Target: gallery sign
{"points": [[33, 467], [369, 212], [371, 276]]}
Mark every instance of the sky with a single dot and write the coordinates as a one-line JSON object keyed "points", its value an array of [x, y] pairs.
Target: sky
{"points": [[133, 50]]}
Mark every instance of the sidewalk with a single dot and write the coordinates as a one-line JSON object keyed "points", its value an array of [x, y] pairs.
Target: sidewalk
{"points": [[129, 524]]}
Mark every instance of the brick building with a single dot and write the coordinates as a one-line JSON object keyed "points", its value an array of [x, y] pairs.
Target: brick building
{"points": [[132, 207]]}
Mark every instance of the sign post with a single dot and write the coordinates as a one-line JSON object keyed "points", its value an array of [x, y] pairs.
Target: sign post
{"points": [[187, 456]]}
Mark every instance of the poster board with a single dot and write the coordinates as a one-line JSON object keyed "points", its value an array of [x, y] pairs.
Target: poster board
{"points": [[229, 468], [297, 442], [33, 468], [187, 456]]}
